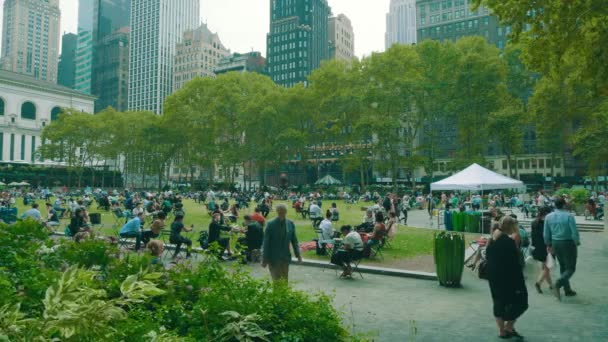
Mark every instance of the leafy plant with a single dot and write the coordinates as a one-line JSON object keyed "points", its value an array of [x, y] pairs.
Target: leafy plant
{"points": [[579, 196], [74, 308], [242, 328]]}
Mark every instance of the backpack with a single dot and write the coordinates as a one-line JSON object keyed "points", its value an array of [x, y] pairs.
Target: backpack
{"points": [[203, 239]]}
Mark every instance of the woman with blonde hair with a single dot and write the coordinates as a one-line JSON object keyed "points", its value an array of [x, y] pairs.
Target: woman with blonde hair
{"points": [[506, 279], [156, 248]]}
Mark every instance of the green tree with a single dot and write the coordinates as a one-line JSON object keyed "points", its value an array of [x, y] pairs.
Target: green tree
{"points": [[590, 141], [339, 91], [556, 32], [506, 126], [478, 90], [434, 93], [394, 120], [74, 138]]}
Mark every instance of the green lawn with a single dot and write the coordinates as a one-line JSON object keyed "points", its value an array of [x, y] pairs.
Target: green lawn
{"points": [[408, 243]]}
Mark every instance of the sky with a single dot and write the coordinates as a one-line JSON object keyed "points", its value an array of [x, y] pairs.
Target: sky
{"points": [[243, 24]]}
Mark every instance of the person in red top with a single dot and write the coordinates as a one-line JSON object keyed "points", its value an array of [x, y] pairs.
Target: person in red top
{"points": [[258, 217]]}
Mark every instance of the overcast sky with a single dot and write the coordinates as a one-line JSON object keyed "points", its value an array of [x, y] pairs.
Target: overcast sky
{"points": [[243, 24]]}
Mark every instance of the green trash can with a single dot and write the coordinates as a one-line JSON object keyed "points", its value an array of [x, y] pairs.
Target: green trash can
{"points": [[473, 223]]}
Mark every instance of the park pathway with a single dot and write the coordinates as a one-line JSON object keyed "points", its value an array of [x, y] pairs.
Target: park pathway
{"points": [[388, 307]]}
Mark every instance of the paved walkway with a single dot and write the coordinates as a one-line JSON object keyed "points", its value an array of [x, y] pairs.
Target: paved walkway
{"points": [[387, 306]]}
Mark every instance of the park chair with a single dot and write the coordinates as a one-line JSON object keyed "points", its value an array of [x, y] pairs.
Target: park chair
{"points": [[355, 266], [329, 243], [376, 250], [123, 242]]}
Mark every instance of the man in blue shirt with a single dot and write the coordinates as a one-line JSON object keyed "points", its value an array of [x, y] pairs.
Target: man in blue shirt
{"points": [[33, 213], [562, 238], [132, 229]]}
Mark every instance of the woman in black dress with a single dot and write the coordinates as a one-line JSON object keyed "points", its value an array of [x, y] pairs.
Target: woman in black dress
{"points": [[540, 249], [506, 279]]}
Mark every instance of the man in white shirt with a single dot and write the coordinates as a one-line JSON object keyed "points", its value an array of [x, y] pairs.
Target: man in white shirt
{"points": [[314, 212], [351, 249], [327, 230]]}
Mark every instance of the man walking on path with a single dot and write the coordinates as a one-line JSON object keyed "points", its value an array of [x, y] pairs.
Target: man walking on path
{"points": [[280, 232], [562, 239]]}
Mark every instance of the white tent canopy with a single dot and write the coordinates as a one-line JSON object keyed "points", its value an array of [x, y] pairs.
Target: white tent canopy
{"points": [[477, 178]]}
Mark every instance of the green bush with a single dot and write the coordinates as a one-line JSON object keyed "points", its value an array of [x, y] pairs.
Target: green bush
{"points": [[205, 302], [563, 192], [580, 195]]}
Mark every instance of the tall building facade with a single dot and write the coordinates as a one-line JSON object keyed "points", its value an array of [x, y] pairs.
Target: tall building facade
{"points": [[111, 35], [156, 27], [401, 23], [197, 55], [451, 20], [111, 71], [109, 16], [30, 38], [84, 47], [67, 61], [242, 62], [297, 41], [341, 38]]}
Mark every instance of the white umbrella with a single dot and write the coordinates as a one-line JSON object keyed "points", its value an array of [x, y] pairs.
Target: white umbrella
{"points": [[13, 184], [24, 183], [2, 183], [328, 180]]}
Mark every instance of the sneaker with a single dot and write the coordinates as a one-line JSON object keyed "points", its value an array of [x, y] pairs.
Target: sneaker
{"points": [[570, 293]]}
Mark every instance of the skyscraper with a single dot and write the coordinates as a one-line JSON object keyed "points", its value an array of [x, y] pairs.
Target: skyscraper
{"points": [[67, 61], [297, 41], [341, 38], [111, 71], [109, 16], [197, 55], [451, 20], [110, 76], [30, 38], [84, 47], [156, 27], [401, 23]]}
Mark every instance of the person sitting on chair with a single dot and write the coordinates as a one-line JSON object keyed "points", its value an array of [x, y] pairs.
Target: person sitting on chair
{"points": [[327, 230], [350, 250], [155, 228], [254, 237], [177, 227], [335, 214], [368, 222], [314, 212], [215, 231], [156, 248], [132, 229], [379, 231], [78, 223], [258, 217], [52, 217]]}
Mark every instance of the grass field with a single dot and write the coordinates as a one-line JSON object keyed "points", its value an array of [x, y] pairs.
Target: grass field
{"points": [[411, 248]]}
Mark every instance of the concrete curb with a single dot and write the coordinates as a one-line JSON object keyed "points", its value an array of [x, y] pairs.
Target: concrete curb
{"points": [[374, 270]]}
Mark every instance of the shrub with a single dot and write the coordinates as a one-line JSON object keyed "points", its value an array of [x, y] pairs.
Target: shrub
{"points": [[579, 196], [80, 291]]}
